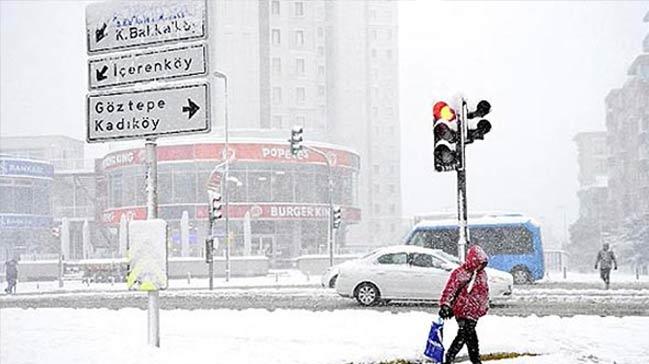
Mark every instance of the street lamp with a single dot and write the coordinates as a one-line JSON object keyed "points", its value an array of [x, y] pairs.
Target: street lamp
{"points": [[226, 157]]}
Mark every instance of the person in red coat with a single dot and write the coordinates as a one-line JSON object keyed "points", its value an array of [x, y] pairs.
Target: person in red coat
{"points": [[466, 296]]}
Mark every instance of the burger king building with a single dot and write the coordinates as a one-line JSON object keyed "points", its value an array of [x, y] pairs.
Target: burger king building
{"points": [[278, 203]]}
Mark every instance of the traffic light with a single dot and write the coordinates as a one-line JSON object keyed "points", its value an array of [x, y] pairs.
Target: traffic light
{"points": [[209, 250], [477, 131], [216, 207], [296, 139], [337, 217], [446, 137]]}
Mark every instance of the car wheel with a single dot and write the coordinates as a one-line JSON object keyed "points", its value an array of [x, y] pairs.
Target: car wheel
{"points": [[521, 275], [332, 281], [367, 294]]}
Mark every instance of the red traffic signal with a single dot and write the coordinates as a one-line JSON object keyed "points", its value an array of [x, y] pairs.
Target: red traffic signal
{"points": [[441, 110]]}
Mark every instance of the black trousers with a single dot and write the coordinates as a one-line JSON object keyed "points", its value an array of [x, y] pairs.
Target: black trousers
{"points": [[465, 335], [605, 274]]}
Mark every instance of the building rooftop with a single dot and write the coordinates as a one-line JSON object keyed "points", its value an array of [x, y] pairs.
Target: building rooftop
{"points": [[640, 60]]}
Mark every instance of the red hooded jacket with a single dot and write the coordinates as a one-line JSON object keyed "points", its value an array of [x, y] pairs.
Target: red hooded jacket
{"points": [[471, 298]]}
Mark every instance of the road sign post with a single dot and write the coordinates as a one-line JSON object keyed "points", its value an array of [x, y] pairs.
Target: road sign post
{"points": [[147, 113]]}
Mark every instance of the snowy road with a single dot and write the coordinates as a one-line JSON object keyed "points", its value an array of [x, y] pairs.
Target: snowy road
{"points": [[101, 336], [530, 300]]}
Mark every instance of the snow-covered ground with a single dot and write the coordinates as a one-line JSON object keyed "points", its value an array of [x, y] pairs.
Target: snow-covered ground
{"points": [[296, 336], [577, 277], [284, 278]]}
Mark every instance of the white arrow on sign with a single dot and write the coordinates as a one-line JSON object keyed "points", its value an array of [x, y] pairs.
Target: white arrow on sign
{"points": [[171, 63], [148, 113], [117, 25]]}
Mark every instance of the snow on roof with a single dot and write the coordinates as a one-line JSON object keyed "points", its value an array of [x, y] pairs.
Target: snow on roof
{"points": [[486, 220]]}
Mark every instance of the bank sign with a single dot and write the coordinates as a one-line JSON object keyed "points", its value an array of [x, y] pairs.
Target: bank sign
{"points": [[120, 25], [136, 114], [25, 168]]}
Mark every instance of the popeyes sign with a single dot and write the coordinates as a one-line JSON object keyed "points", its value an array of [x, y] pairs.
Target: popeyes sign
{"points": [[241, 152]]}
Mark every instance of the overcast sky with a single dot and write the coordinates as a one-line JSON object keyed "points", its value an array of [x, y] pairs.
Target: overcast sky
{"points": [[544, 66]]}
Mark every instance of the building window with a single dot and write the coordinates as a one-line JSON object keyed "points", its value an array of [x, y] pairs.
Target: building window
{"points": [[277, 121], [393, 169], [264, 123], [321, 70], [388, 54], [373, 14], [299, 66], [276, 37], [299, 38], [277, 95], [376, 169], [300, 95], [373, 53], [321, 51], [299, 8], [374, 34], [299, 120], [393, 208], [391, 188], [375, 111], [277, 66], [275, 7], [320, 32], [321, 90], [377, 208]]}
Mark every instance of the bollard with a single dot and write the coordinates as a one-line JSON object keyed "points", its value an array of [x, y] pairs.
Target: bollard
{"points": [[564, 273], [112, 280], [189, 278], [307, 276], [276, 277], [637, 273]]}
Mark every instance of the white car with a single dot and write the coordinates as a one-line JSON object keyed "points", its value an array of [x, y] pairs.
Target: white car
{"points": [[406, 272], [330, 275]]}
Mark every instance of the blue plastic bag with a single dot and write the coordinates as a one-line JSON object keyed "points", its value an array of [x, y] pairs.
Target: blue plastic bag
{"points": [[434, 345]]}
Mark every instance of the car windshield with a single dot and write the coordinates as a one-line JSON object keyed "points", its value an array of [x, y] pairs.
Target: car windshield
{"points": [[445, 256]]}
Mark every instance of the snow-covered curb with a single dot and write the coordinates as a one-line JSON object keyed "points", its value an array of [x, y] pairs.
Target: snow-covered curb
{"points": [[299, 336]]}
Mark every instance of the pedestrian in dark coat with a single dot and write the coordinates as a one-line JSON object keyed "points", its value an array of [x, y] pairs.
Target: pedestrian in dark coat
{"points": [[11, 273], [606, 260], [466, 296]]}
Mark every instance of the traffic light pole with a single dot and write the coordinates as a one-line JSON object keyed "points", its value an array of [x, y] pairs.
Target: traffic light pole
{"points": [[330, 230], [461, 186]]}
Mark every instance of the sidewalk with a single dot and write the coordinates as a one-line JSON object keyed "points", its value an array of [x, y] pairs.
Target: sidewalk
{"points": [[285, 278]]}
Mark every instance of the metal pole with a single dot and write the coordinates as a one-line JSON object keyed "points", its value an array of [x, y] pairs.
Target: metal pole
{"points": [[60, 270], [152, 213], [226, 195], [210, 265], [461, 187], [331, 215], [330, 232]]}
